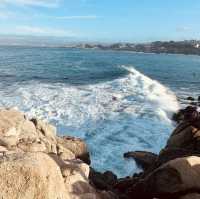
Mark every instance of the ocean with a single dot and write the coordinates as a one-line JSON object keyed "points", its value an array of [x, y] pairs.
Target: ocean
{"points": [[116, 101]]}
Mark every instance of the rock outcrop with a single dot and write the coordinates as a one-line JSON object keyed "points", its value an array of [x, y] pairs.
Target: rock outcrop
{"points": [[174, 179], [31, 175], [35, 163], [76, 146], [172, 174]]}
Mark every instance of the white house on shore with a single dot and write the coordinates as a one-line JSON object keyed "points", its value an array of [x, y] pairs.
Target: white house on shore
{"points": [[197, 46]]}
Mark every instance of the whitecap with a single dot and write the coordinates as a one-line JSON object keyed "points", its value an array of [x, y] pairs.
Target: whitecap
{"points": [[129, 113]]}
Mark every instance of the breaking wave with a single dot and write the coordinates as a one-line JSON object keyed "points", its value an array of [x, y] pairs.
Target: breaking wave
{"points": [[128, 113]]}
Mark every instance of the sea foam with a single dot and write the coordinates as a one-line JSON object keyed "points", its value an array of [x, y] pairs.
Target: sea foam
{"points": [[129, 113]]}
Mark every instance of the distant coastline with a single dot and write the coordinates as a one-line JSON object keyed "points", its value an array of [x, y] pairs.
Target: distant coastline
{"points": [[191, 47], [188, 47]]}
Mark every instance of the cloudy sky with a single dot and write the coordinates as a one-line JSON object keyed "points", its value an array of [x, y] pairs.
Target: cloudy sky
{"points": [[102, 20]]}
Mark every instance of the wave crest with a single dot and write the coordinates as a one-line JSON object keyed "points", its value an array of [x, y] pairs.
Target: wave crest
{"points": [[129, 113]]}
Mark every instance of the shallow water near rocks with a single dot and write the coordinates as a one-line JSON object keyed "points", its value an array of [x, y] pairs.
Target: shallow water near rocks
{"points": [[115, 101]]}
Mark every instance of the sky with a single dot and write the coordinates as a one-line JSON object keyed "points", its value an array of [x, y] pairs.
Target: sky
{"points": [[102, 20]]}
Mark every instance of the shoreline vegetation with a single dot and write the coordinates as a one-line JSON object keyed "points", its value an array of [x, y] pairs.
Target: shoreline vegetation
{"points": [[37, 163], [187, 47], [191, 47]]}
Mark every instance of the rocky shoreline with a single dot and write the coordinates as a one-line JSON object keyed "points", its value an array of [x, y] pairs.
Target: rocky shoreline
{"points": [[174, 173], [190, 47], [35, 163]]}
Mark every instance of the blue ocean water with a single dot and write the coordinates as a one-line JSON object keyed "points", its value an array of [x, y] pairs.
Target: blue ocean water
{"points": [[115, 101]]}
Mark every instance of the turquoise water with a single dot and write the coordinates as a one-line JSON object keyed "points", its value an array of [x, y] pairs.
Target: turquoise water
{"points": [[116, 101]]}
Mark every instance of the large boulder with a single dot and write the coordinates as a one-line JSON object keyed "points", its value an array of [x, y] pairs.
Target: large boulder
{"points": [[35, 163], [185, 136], [174, 179], [29, 135], [184, 141], [191, 196], [30, 176], [76, 146], [188, 114], [168, 154], [14, 126]]}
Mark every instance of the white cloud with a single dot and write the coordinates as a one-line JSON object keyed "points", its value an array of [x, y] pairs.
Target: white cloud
{"points": [[39, 31], [40, 3], [77, 17], [183, 29], [8, 14]]}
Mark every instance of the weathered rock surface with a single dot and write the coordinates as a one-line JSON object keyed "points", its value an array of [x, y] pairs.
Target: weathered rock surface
{"points": [[191, 196], [186, 136], [103, 181], [31, 175], [168, 154], [176, 177], [37, 164], [76, 146]]}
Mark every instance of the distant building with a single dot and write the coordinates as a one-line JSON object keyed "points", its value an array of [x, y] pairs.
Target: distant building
{"points": [[197, 46]]}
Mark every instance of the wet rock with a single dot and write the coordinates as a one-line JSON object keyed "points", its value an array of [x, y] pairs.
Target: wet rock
{"points": [[114, 98], [185, 136], [194, 103], [168, 154], [172, 180], [188, 114], [179, 116], [144, 159], [125, 183], [103, 181], [190, 98], [191, 114]]}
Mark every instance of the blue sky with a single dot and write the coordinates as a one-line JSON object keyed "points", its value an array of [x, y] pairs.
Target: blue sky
{"points": [[102, 20]]}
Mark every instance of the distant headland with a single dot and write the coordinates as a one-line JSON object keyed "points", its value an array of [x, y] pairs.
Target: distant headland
{"points": [[188, 47]]}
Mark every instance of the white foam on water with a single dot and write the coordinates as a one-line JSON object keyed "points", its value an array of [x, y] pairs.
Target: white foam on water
{"points": [[129, 113]]}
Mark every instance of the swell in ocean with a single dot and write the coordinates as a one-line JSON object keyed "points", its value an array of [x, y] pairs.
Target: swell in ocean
{"points": [[129, 113]]}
